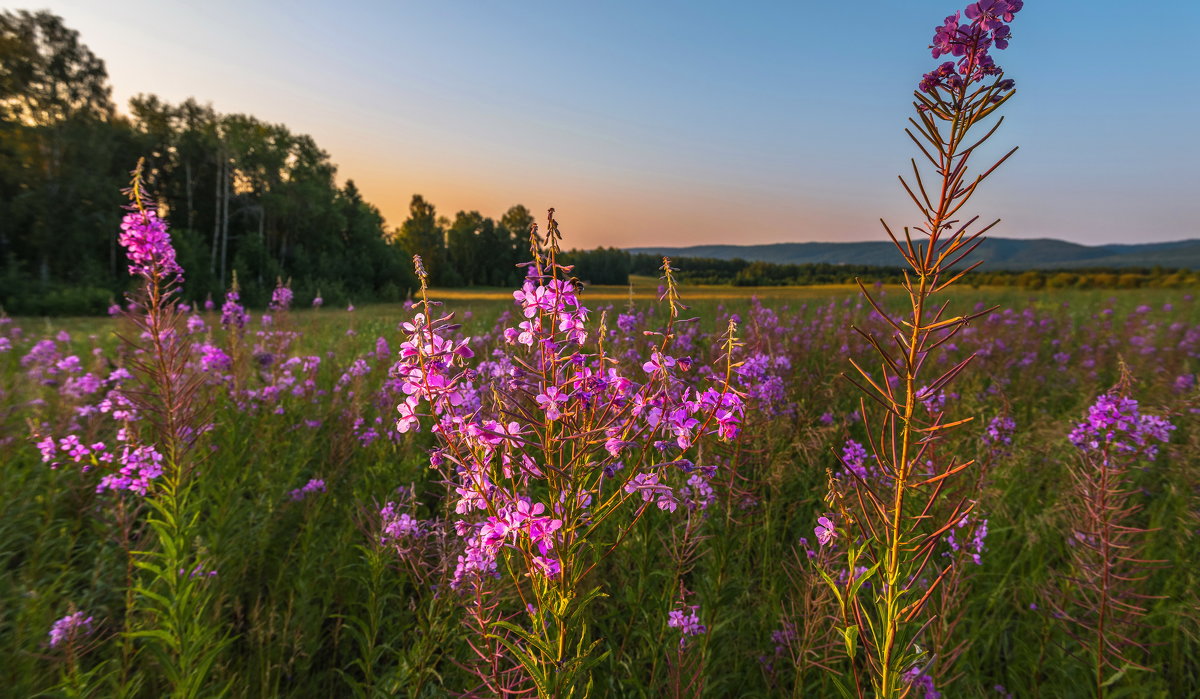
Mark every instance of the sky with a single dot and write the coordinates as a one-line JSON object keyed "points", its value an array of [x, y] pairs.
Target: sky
{"points": [[672, 123]]}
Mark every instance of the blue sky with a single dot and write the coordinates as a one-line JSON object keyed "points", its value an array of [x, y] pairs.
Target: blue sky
{"points": [[682, 123]]}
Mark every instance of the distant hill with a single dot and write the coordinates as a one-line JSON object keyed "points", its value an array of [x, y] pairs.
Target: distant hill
{"points": [[997, 253]]}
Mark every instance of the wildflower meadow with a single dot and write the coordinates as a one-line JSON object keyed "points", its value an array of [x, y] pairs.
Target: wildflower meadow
{"points": [[924, 489]]}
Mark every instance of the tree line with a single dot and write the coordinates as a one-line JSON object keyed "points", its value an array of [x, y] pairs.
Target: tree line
{"points": [[242, 196], [614, 266]]}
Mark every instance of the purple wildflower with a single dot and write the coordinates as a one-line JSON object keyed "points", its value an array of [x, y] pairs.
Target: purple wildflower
{"points": [[148, 245], [281, 299], [69, 629], [316, 485], [1115, 424], [826, 531], [921, 682], [233, 314], [687, 621]]}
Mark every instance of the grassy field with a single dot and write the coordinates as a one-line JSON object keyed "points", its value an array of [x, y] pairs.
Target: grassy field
{"points": [[308, 599]]}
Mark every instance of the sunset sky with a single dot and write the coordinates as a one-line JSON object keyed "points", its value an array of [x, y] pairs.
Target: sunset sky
{"points": [[675, 123]]}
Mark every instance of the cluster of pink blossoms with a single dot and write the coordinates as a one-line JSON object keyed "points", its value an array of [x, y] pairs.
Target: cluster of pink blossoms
{"points": [[1116, 425], [70, 629], [687, 620], [552, 392], [281, 299], [554, 302], [148, 245], [136, 466], [970, 43], [233, 314], [315, 485], [424, 371]]}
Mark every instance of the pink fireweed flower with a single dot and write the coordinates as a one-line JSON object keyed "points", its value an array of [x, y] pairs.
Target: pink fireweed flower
{"points": [[548, 567], [541, 531], [533, 298], [73, 448], [658, 362], [315, 485], [472, 495], [408, 419], [647, 483], [281, 299], [529, 330], [614, 446], [214, 359], [650, 488], [978, 529], [478, 559], [697, 494], [682, 425], [49, 449], [494, 531], [148, 245], [69, 629], [687, 620], [492, 463], [826, 532], [855, 458], [728, 407], [399, 526], [233, 314], [525, 511], [1116, 424], [992, 14], [551, 401], [919, 681], [497, 434], [970, 43], [198, 572]]}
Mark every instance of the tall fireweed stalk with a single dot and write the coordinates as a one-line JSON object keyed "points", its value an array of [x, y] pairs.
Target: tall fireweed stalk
{"points": [[1103, 600], [172, 599], [555, 460], [891, 519]]}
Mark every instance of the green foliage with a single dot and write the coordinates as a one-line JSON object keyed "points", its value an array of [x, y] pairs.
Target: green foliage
{"points": [[603, 265]]}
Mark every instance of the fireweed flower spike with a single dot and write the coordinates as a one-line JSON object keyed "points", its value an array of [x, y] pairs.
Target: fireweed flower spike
{"points": [[898, 518], [281, 297], [687, 620], [167, 391], [545, 465], [148, 246], [1105, 600], [70, 628]]}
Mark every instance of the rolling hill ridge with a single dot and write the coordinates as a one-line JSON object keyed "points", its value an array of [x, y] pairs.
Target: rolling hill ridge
{"points": [[997, 253]]}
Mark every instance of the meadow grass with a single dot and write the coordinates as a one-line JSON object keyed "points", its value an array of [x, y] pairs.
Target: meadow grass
{"points": [[316, 606]]}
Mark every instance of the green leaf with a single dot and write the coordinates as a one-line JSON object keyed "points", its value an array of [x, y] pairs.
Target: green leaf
{"points": [[842, 689], [539, 643], [837, 592], [527, 662], [1116, 676], [850, 635]]}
